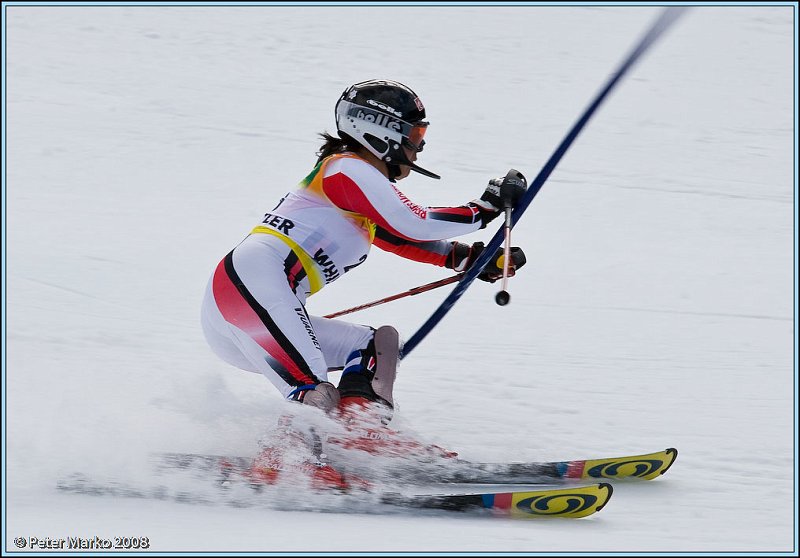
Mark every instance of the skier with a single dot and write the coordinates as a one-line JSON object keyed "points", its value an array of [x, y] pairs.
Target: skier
{"points": [[253, 313]]}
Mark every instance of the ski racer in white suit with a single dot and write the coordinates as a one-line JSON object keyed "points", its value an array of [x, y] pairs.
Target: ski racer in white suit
{"points": [[253, 313]]}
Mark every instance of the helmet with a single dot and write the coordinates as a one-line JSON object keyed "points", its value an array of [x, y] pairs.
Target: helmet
{"points": [[383, 116]]}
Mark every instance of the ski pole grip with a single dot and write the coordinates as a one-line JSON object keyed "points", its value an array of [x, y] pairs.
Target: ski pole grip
{"points": [[512, 188]]}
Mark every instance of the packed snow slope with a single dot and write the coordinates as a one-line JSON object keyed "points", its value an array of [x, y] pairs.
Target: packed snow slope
{"points": [[657, 307]]}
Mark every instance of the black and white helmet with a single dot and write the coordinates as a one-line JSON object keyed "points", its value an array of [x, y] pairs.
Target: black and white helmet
{"points": [[383, 116]]}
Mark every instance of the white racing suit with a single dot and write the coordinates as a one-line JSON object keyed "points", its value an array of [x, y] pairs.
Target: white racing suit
{"points": [[253, 313]]}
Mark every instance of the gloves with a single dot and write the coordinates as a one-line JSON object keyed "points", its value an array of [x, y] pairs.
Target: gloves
{"points": [[494, 269], [509, 188], [462, 256]]}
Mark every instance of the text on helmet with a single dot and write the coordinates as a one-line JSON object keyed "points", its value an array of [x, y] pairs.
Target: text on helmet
{"points": [[380, 120], [387, 108]]}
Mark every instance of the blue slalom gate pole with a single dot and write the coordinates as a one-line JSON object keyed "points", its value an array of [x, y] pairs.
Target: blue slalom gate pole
{"points": [[667, 17]]}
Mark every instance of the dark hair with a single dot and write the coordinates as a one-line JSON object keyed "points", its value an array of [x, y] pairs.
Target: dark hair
{"points": [[335, 144]]}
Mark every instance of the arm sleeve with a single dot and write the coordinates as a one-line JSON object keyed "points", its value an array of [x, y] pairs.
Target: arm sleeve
{"points": [[434, 252], [354, 185], [444, 253]]}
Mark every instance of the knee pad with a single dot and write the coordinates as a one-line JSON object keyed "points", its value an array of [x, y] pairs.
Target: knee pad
{"points": [[387, 351]]}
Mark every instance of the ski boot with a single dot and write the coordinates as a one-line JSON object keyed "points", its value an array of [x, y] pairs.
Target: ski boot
{"points": [[295, 455], [367, 402], [367, 430]]}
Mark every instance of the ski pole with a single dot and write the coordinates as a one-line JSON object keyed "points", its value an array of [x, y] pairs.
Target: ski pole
{"points": [[502, 298], [410, 292]]}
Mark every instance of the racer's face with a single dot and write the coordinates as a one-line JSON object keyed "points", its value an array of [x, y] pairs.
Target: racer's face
{"points": [[405, 170]]}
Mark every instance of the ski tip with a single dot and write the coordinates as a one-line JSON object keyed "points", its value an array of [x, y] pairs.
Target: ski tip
{"points": [[640, 467], [609, 489], [672, 455]]}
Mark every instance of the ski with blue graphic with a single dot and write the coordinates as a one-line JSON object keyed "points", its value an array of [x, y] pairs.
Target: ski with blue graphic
{"points": [[643, 467], [569, 503]]}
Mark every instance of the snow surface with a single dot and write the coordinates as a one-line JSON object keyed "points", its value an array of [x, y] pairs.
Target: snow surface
{"points": [[657, 308]]}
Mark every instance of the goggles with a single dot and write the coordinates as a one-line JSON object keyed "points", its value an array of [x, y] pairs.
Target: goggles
{"points": [[414, 139]]}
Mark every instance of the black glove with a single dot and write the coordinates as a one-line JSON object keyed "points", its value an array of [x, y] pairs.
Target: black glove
{"points": [[462, 256], [501, 192]]}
